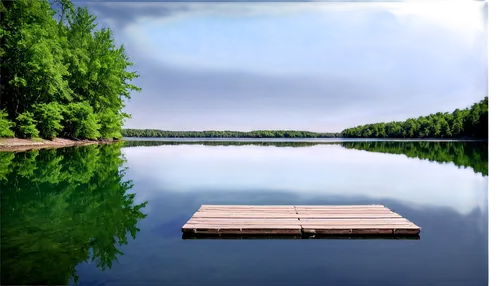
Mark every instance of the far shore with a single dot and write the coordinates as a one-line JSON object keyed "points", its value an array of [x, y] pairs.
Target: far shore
{"points": [[304, 139], [18, 144]]}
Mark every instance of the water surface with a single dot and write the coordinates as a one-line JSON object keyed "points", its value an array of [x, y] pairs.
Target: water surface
{"points": [[112, 214]]}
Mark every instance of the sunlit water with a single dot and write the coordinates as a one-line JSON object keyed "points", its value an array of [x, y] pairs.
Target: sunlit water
{"points": [[112, 214]]}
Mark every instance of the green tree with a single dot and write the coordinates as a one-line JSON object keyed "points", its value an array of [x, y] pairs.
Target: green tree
{"points": [[80, 121], [5, 125], [225, 134], [32, 66], [53, 54], [26, 126], [111, 123], [471, 122], [49, 117]]}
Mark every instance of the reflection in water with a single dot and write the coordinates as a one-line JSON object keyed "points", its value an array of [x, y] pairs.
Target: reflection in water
{"points": [[140, 143], [61, 207], [462, 154]]}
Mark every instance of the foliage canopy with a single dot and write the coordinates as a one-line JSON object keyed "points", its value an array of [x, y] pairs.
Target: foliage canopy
{"points": [[54, 63], [467, 123]]}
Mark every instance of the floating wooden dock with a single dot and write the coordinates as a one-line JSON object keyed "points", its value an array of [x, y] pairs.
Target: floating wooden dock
{"points": [[298, 221]]}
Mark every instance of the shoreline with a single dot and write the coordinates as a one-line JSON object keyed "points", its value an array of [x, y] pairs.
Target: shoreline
{"points": [[311, 139], [20, 145]]}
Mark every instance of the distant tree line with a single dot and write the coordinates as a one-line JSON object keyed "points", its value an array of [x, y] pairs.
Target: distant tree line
{"points": [[60, 75], [467, 123], [226, 134]]}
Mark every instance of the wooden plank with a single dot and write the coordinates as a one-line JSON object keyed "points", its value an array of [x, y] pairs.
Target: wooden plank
{"points": [[395, 219], [350, 211], [245, 221], [351, 216], [243, 215], [250, 211], [259, 231], [291, 215], [242, 229], [369, 231], [268, 222], [247, 211], [271, 223], [239, 226], [193, 236], [208, 219], [294, 220], [406, 231], [340, 207], [222, 221], [244, 207], [358, 222], [361, 231], [359, 226]]}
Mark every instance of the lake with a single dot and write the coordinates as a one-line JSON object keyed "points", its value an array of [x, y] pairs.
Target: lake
{"points": [[112, 214]]}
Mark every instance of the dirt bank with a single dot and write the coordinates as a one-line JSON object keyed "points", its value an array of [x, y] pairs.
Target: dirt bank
{"points": [[17, 144]]}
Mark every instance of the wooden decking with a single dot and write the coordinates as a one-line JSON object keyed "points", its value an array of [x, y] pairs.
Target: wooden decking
{"points": [[298, 221]]}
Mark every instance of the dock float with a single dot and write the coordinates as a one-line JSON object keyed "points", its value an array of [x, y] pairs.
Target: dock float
{"points": [[279, 220]]}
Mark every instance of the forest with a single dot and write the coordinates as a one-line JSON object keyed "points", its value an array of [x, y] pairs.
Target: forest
{"points": [[226, 134], [61, 75], [466, 123]]}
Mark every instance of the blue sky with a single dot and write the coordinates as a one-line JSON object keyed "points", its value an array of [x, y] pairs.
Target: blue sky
{"points": [[315, 66]]}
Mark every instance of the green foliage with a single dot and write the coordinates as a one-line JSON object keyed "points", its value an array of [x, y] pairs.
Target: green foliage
{"points": [[226, 134], [469, 123], [53, 54], [5, 125], [55, 216], [110, 124], [48, 116], [80, 121], [26, 125]]}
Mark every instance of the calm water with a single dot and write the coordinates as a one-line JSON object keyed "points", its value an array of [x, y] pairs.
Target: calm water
{"points": [[112, 214]]}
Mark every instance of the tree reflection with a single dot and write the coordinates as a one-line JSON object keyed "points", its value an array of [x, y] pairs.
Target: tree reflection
{"points": [[140, 143], [61, 207], [461, 154]]}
